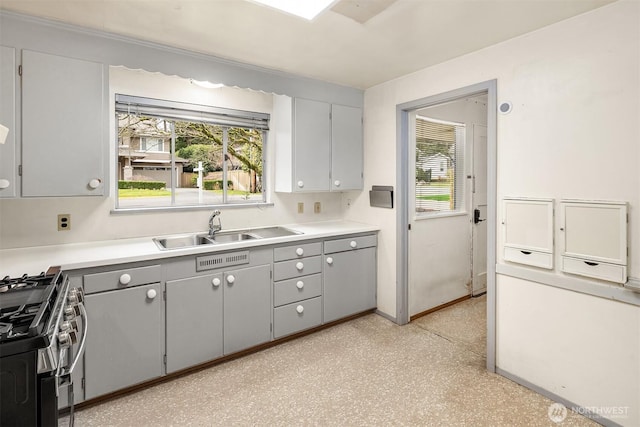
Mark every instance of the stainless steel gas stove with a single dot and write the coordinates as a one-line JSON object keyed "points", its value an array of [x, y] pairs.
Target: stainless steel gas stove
{"points": [[43, 325]]}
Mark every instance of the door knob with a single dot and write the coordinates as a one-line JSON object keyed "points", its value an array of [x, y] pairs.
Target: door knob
{"points": [[215, 282], [230, 279]]}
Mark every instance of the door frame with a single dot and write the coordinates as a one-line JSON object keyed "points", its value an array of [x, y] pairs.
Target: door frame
{"points": [[402, 201]]}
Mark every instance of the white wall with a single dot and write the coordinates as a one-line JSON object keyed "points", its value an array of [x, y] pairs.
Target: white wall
{"points": [[575, 88], [31, 222]]}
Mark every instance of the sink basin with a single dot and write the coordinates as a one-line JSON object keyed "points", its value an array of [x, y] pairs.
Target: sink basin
{"points": [[268, 232], [221, 237], [183, 241], [232, 236]]}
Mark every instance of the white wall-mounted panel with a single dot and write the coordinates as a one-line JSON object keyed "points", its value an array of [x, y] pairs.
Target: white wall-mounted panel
{"points": [[595, 230], [528, 224]]}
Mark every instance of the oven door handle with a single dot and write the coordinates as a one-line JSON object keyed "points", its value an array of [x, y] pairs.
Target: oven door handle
{"points": [[85, 326]]}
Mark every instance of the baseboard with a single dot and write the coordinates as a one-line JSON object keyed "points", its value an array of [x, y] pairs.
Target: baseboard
{"points": [[569, 405], [440, 307]]}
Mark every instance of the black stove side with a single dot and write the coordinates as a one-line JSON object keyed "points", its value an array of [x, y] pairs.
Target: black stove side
{"points": [[26, 398]]}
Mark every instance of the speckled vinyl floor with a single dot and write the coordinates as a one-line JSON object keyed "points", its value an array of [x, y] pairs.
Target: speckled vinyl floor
{"points": [[367, 372]]}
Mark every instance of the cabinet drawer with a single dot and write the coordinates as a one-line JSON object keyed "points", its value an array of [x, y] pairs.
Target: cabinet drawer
{"points": [[119, 279], [297, 289], [297, 317], [529, 257], [297, 251], [601, 270], [349, 244], [296, 268]]}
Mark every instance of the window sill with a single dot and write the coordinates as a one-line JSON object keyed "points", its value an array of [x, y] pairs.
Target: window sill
{"points": [[440, 215], [130, 211]]}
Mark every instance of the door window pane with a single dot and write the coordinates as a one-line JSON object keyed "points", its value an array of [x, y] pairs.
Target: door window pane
{"points": [[439, 170]]}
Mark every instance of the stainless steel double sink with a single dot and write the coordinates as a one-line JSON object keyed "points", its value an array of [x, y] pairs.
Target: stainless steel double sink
{"points": [[221, 237]]}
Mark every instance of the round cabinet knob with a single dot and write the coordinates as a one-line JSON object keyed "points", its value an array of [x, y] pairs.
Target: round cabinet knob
{"points": [[329, 260], [125, 279], [337, 183], [299, 266], [215, 282], [94, 183], [230, 279], [300, 284], [151, 293], [299, 309], [353, 244], [4, 183], [300, 184], [300, 251]]}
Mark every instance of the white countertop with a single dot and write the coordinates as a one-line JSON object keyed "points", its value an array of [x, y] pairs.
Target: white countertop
{"points": [[33, 260]]}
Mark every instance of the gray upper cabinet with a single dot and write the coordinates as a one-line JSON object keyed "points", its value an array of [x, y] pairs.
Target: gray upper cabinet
{"points": [[63, 126], [312, 153], [8, 175], [346, 148], [318, 146]]}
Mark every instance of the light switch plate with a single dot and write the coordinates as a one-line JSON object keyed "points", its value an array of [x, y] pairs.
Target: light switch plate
{"points": [[316, 207]]}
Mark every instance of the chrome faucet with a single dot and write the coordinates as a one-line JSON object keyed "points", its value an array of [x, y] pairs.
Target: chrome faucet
{"points": [[214, 227]]}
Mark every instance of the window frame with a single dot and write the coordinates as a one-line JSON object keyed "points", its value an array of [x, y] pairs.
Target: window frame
{"points": [[459, 182], [182, 111]]}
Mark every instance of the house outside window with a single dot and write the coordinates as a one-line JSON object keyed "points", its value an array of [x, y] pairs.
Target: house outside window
{"points": [[173, 154]]}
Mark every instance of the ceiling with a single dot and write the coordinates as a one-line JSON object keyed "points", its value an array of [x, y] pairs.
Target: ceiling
{"points": [[358, 43]]}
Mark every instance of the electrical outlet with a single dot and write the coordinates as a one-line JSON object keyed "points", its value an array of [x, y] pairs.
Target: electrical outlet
{"points": [[300, 207], [64, 222], [316, 207]]}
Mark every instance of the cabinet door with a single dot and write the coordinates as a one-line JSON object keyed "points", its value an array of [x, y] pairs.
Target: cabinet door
{"points": [[194, 321], [312, 136], [63, 130], [349, 283], [8, 119], [346, 148], [247, 308], [125, 339]]}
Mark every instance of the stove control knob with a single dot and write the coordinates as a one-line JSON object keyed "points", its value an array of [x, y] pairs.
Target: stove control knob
{"points": [[67, 339], [75, 296], [71, 311], [69, 325]]}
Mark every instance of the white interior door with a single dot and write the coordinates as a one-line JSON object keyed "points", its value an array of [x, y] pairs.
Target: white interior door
{"points": [[479, 201]]}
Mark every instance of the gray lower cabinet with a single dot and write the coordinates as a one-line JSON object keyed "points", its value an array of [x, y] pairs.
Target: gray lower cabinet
{"points": [[194, 321], [349, 274], [125, 341], [247, 308]]}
